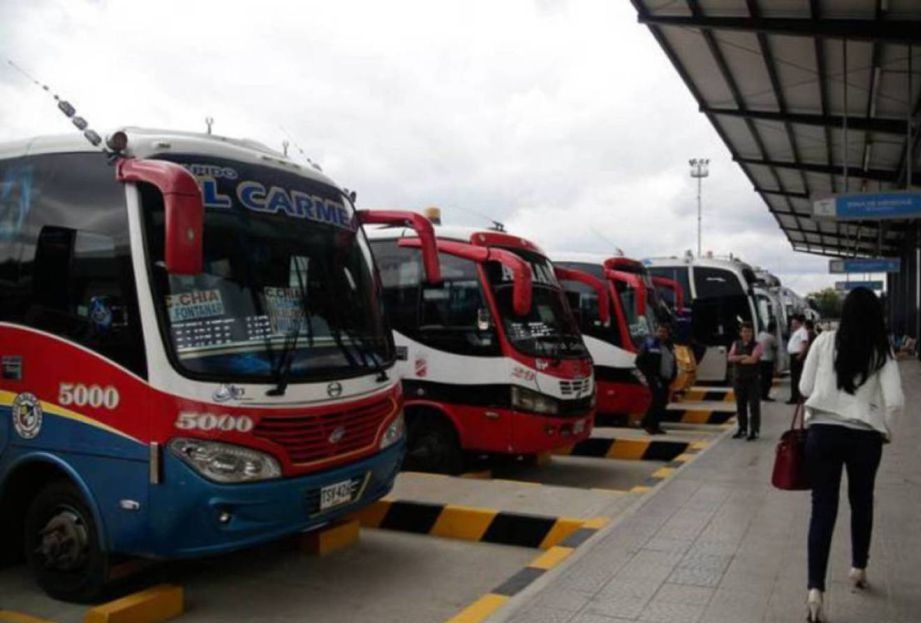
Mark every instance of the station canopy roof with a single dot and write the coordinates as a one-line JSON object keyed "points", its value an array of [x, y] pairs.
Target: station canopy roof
{"points": [[781, 79]]}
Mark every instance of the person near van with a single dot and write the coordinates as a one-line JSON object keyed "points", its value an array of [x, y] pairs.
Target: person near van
{"points": [[854, 392], [656, 360], [745, 357], [796, 347], [766, 338]]}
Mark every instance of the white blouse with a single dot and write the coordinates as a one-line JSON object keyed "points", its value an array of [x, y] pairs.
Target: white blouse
{"points": [[876, 403]]}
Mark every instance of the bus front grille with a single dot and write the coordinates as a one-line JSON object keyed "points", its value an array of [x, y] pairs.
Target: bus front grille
{"points": [[308, 439]]}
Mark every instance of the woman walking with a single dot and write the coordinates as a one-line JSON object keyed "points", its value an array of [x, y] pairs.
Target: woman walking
{"points": [[854, 391]]}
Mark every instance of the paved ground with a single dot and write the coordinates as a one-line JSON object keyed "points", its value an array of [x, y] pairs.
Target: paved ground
{"points": [[718, 544]]}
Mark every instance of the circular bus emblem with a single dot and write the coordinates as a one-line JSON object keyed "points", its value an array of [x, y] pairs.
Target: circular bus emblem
{"points": [[27, 415], [337, 435], [334, 389]]}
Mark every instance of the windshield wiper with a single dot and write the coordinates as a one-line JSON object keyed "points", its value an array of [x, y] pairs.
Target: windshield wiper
{"points": [[286, 360]]}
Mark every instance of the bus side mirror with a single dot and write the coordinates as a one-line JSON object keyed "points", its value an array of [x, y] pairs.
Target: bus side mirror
{"points": [[423, 228], [183, 208]]}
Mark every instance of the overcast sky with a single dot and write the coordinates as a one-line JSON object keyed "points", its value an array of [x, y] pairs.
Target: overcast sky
{"points": [[562, 119]]}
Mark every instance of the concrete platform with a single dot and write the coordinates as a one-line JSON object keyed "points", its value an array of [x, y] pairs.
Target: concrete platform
{"points": [[506, 495], [718, 544]]}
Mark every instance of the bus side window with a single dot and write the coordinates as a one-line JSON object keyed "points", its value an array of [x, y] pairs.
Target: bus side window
{"points": [[74, 269]]}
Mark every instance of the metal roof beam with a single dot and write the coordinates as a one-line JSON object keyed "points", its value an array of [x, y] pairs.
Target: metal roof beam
{"points": [[876, 175], [783, 193], [883, 31], [875, 124]]}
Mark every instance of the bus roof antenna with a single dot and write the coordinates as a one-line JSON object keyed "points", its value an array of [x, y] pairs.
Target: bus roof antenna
{"points": [[497, 226], [209, 121], [67, 108]]}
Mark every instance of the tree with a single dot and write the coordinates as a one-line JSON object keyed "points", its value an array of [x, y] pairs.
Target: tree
{"points": [[827, 302]]}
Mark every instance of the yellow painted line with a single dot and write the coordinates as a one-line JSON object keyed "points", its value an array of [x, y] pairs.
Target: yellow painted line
{"points": [[699, 445], [614, 491], [596, 523], [564, 450], [629, 449], [371, 516], [544, 458], [640, 489], [682, 458], [160, 603], [729, 397], [8, 616], [480, 609], [552, 557], [331, 539], [463, 522], [663, 472], [560, 530], [485, 474], [693, 395]]}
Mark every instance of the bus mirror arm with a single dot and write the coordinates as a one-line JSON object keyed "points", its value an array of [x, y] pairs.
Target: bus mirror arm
{"points": [[635, 282], [604, 302], [183, 208], [675, 287], [522, 277], [421, 225]]}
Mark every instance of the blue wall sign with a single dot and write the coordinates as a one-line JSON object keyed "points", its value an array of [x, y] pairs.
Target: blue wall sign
{"points": [[874, 206], [847, 286], [873, 265]]}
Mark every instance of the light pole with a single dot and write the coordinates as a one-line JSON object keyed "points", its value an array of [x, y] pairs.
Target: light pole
{"points": [[699, 169]]}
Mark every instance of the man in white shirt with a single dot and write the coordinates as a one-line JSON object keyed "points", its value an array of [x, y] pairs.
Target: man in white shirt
{"points": [[796, 347]]}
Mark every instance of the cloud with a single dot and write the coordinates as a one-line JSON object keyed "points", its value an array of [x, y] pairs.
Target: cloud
{"points": [[563, 119]]}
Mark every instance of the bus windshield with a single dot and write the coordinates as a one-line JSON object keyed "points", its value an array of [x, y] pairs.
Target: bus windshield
{"points": [[549, 329], [288, 286]]}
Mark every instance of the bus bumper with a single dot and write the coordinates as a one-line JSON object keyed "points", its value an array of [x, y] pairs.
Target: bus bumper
{"points": [[191, 516], [534, 434], [623, 398]]}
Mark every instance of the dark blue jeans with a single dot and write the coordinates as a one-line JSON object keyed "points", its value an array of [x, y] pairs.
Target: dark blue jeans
{"points": [[829, 450]]}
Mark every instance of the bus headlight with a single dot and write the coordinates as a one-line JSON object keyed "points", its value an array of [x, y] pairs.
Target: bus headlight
{"points": [[224, 462], [394, 432], [529, 400]]}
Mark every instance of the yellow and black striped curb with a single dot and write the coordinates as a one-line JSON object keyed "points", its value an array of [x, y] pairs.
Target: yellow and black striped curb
{"points": [[698, 416], [8, 616], [473, 524], [669, 468], [495, 599], [626, 449], [709, 395], [683, 416]]}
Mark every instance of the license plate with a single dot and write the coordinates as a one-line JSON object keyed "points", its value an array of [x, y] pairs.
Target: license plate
{"points": [[335, 495]]}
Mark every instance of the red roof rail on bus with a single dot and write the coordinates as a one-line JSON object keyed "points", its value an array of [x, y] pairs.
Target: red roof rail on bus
{"points": [[521, 271], [423, 228], [634, 281], [182, 205], [675, 287], [569, 274]]}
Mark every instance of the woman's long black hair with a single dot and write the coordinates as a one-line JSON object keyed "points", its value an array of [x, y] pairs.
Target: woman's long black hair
{"points": [[861, 343]]}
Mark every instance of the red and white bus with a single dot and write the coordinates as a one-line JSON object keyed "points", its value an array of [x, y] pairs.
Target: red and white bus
{"points": [[622, 390], [492, 359], [193, 354]]}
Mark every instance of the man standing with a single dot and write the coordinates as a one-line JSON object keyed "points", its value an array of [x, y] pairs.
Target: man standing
{"points": [[656, 360], [797, 349], [745, 356], [768, 344]]}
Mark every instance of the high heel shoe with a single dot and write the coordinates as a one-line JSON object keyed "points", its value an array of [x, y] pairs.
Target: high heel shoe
{"points": [[858, 578], [814, 605]]}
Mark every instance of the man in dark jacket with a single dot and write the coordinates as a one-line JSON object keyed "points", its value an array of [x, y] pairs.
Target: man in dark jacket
{"points": [[656, 360], [745, 357]]}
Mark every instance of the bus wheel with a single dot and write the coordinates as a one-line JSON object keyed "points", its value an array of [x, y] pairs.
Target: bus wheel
{"points": [[434, 447], [62, 544]]}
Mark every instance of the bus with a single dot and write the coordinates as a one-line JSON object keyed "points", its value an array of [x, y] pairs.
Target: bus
{"points": [[193, 353], [772, 312], [721, 297], [492, 359], [622, 389]]}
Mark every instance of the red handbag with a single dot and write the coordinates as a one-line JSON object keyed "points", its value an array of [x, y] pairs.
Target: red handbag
{"points": [[790, 471]]}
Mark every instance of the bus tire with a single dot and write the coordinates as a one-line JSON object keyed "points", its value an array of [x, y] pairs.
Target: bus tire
{"points": [[62, 544], [434, 446]]}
